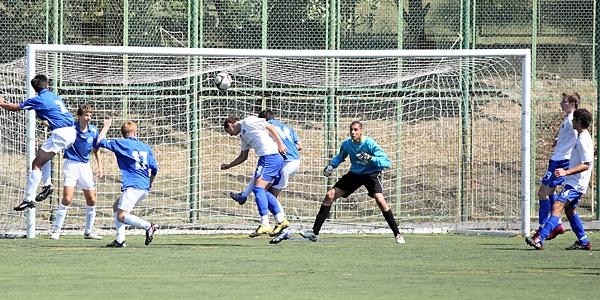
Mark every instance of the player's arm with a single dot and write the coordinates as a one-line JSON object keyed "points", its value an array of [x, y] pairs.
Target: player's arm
{"points": [[335, 161], [296, 140], [99, 168], [153, 165], [275, 135], [9, 106], [238, 160], [378, 157], [577, 169], [104, 131]]}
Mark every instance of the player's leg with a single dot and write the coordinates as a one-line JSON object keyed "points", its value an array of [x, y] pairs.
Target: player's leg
{"points": [[546, 195], [87, 184], [583, 242], [267, 169], [375, 190], [342, 188], [289, 168], [119, 241], [128, 201], [61, 212], [46, 181]]}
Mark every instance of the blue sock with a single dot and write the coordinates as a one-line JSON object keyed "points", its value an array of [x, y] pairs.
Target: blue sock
{"points": [[548, 227], [577, 227], [273, 203], [544, 212], [261, 200]]}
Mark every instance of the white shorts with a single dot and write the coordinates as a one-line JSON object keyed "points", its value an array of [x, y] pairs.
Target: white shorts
{"points": [[79, 175], [130, 197], [60, 139], [289, 168]]}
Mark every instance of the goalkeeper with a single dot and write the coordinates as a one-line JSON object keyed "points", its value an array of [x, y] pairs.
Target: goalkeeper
{"points": [[368, 161]]}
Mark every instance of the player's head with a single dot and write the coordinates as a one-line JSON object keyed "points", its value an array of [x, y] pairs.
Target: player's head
{"points": [[85, 112], [129, 129], [266, 114], [356, 131], [39, 82], [582, 119], [570, 101], [231, 125]]}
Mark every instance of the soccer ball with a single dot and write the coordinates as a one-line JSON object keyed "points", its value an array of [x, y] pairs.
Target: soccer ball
{"points": [[222, 81]]}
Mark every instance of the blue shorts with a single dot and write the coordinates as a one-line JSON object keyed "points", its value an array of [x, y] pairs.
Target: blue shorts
{"points": [[268, 167], [569, 194], [549, 179]]}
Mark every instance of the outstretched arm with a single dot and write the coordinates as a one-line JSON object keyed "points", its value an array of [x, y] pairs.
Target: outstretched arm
{"points": [[9, 106], [238, 160], [104, 131]]}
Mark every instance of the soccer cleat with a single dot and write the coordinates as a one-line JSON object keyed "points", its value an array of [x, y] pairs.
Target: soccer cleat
{"points": [[238, 197], [55, 235], [309, 234], [535, 243], [23, 205], [560, 229], [279, 227], [92, 236], [579, 246], [46, 191], [400, 239], [115, 244], [260, 230], [282, 236], [150, 233]]}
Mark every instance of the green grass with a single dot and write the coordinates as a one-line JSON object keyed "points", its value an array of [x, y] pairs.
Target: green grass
{"points": [[337, 267]]}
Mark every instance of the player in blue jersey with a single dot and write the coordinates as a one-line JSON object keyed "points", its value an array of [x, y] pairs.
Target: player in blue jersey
{"points": [[563, 144], [78, 173], [50, 108], [291, 166], [367, 162], [255, 133], [577, 179], [138, 169]]}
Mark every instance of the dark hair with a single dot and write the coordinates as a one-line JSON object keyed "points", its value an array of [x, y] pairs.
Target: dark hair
{"points": [[266, 114], [230, 120], [356, 122], [583, 117], [39, 82], [572, 97], [84, 109]]}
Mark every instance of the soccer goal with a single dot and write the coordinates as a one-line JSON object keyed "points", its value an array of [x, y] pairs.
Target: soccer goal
{"points": [[455, 123]]}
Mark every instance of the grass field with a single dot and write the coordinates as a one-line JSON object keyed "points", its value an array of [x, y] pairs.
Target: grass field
{"points": [[336, 267]]}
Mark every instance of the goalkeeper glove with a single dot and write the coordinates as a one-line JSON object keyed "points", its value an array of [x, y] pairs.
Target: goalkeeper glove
{"points": [[364, 156], [328, 171]]}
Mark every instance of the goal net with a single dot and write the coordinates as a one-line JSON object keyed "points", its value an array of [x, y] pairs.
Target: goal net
{"points": [[455, 124]]}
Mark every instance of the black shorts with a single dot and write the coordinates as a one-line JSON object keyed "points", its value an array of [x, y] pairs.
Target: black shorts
{"points": [[351, 182]]}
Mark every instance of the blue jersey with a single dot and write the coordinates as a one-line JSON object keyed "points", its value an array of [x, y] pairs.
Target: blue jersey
{"points": [[85, 142], [379, 160], [49, 107], [136, 161], [289, 138]]}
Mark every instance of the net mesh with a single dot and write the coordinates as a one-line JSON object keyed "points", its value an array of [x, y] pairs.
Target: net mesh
{"points": [[451, 127]]}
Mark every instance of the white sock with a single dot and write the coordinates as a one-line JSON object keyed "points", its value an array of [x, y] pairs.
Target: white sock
{"points": [[90, 215], [32, 183], [59, 219], [264, 220], [120, 228], [46, 172], [137, 222], [280, 217]]}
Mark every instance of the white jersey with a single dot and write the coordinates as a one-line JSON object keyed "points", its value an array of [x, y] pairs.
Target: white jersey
{"points": [[583, 152], [254, 135], [565, 140]]}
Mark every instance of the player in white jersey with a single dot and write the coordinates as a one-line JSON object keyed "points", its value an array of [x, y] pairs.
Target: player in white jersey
{"points": [[291, 165], [50, 108], [255, 133], [577, 180], [560, 159], [78, 174]]}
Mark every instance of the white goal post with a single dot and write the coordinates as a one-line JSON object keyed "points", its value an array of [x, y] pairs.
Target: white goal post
{"points": [[453, 122]]}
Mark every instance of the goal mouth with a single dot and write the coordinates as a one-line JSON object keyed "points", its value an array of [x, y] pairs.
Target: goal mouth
{"points": [[455, 124]]}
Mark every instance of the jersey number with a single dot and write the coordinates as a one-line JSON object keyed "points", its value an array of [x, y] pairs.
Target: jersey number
{"points": [[141, 159]]}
